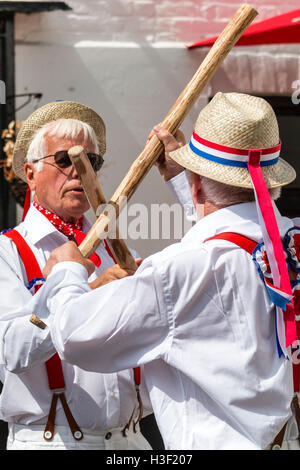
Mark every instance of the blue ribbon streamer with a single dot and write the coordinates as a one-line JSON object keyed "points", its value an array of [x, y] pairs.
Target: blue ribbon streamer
{"points": [[34, 281]]}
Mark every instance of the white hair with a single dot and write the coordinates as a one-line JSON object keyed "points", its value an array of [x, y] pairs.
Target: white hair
{"points": [[224, 195], [62, 128]]}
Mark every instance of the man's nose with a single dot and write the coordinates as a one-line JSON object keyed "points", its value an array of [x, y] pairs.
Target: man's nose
{"points": [[74, 173]]}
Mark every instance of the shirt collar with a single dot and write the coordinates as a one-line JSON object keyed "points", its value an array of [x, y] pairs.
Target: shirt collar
{"points": [[238, 218], [38, 226]]}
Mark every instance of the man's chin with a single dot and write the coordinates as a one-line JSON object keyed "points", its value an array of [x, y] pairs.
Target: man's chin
{"points": [[76, 208]]}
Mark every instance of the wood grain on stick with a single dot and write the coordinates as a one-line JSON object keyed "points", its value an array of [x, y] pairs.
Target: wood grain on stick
{"points": [[37, 322], [95, 196], [138, 170]]}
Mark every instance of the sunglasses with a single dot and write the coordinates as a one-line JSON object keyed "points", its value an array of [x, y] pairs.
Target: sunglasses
{"points": [[62, 159]]}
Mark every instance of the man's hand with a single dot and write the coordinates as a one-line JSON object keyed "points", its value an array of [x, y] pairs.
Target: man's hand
{"points": [[168, 168], [67, 252], [112, 274]]}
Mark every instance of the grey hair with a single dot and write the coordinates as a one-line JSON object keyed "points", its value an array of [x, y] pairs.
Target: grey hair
{"points": [[62, 128], [224, 195]]}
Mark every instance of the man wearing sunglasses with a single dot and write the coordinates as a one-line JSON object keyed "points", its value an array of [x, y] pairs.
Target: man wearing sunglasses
{"points": [[47, 403]]}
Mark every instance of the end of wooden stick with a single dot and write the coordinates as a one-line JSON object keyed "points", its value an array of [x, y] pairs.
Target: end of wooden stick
{"points": [[75, 151], [249, 8], [37, 322]]}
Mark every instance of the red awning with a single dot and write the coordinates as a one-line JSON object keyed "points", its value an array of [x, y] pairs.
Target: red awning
{"points": [[281, 29]]}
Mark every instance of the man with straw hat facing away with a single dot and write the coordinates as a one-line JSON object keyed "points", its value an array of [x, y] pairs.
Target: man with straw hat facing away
{"points": [[200, 315], [50, 404]]}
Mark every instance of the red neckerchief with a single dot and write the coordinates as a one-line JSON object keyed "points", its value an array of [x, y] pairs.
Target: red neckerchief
{"points": [[69, 230]]}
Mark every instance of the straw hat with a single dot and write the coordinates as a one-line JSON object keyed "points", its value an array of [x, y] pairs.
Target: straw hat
{"points": [[238, 121], [51, 112]]}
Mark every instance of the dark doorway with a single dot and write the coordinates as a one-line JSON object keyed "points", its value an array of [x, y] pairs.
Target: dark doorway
{"points": [[288, 115]]}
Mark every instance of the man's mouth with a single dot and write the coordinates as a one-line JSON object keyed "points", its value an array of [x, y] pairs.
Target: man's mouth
{"points": [[77, 189]]}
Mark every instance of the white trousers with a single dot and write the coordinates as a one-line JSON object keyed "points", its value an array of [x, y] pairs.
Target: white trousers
{"points": [[31, 438]]}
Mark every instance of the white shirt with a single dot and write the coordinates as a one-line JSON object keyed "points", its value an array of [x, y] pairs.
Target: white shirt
{"points": [[98, 402], [199, 318]]}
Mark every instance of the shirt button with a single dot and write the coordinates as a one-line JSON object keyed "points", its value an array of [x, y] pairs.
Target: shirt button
{"points": [[48, 435], [276, 447], [112, 395], [78, 435], [108, 435]]}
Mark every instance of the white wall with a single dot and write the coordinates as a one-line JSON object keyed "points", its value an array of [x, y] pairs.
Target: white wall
{"points": [[127, 59]]}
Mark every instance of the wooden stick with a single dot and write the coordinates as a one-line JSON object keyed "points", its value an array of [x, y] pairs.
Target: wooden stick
{"points": [[96, 199], [225, 42], [223, 45], [37, 321]]}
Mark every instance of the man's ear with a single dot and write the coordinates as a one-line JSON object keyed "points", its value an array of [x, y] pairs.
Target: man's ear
{"points": [[30, 173], [196, 188]]}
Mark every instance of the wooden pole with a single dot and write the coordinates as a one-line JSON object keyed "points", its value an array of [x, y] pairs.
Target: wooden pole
{"points": [[223, 45], [96, 199], [225, 42]]}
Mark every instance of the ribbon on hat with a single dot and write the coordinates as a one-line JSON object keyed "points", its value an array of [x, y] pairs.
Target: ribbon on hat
{"points": [[230, 156], [274, 249], [280, 292]]}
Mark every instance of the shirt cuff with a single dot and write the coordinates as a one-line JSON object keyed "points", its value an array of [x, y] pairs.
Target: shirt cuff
{"points": [[180, 188], [70, 266]]}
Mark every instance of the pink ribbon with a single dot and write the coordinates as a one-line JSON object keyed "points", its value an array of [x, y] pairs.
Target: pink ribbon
{"points": [[273, 242]]}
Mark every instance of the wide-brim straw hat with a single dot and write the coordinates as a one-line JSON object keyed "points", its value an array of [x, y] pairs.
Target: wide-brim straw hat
{"points": [[238, 121], [48, 113]]}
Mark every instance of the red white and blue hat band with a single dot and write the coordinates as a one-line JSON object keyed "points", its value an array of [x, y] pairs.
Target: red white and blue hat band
{"points": [[230, 156]]}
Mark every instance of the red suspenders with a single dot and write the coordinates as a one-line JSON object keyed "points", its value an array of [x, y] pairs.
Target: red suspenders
{"points": [[243, 242], [53, 365]]}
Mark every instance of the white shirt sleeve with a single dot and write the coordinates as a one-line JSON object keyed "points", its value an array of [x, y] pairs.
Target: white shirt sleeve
{"points": [[110, 328], [22, 344], [180, 188], [296, 221]]}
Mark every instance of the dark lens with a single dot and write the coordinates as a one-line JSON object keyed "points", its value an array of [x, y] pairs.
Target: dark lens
{"points": [[62, 159], [96, 161]]}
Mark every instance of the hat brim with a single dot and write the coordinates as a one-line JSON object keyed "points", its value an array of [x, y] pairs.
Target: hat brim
{"points": [[48, 113], [280, 174]]}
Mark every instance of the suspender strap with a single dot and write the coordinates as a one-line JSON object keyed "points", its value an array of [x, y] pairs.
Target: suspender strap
{"points": [[243, 242], [50, 425], [32, 268], [55, 373], [53, 365], [137, 380]]}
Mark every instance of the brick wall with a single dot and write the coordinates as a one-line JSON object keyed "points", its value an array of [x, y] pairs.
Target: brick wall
{"points": [[140, 20]]}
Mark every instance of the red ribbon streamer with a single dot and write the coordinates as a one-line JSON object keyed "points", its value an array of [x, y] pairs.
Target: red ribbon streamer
{"points": [[267, 211]]}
